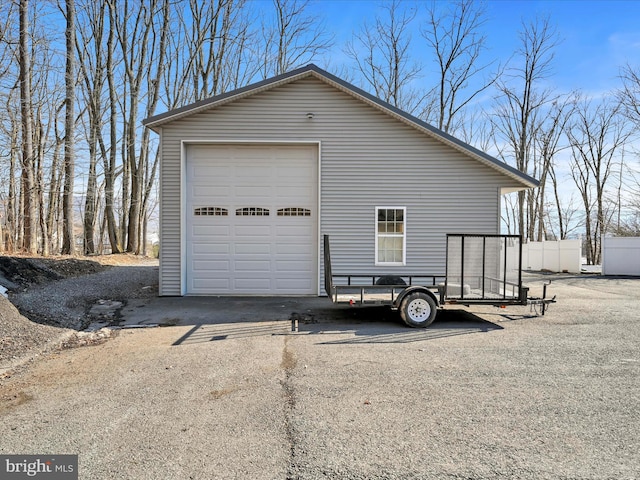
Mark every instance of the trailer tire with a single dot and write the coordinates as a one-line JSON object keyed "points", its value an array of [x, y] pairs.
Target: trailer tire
{"points": [[418, 310]]}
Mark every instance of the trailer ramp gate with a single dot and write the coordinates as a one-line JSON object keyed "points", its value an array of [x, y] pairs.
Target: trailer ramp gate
{"points": [[483, 269]]}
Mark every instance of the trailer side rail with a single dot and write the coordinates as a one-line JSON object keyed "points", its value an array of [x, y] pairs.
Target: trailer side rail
{"points": [[480, 270]]}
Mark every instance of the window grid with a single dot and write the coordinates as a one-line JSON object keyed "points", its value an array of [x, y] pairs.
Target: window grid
{"points": [[252, 212], [294, 212], [211, 211], [390, 235]]}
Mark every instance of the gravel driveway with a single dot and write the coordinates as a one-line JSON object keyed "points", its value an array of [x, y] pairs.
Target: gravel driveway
{"points": [[481, 394]]}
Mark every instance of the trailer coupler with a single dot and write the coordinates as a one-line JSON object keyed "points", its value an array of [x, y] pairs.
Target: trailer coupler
{"points": [[543, 301]]}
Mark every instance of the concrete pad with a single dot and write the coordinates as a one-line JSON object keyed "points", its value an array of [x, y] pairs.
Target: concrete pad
{"points": [[169, 311]]}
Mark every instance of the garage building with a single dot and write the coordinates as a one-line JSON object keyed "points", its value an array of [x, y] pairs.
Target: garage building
{"points": [[251, 179]]}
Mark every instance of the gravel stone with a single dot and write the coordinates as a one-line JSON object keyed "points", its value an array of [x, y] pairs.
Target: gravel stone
{"points": [[67, 302], [58, 297], [20, 337]]}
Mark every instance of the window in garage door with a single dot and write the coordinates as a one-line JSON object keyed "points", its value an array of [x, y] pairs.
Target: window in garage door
{"points": [[252, 212], [294, 212], [210, 212]]}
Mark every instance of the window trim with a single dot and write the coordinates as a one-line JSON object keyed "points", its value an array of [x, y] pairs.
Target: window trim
{"points": [[403, 235]]}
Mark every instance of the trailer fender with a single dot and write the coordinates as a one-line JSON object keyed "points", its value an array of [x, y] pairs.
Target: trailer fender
{"points": [[414, 288]]}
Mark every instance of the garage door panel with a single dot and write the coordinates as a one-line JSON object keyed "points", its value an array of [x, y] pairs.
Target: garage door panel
{"points": [[252, 249], [292, 193], [255, 174], [252, 231], [220, 192], [291, 266], [293, 170], [251, 254], [294, 230], [211, 249], [211, 268], [252, 285], [201, 284], [210, 231], [210, 173], [291, 249], [252, 192], [254, 265], [300, 286]]}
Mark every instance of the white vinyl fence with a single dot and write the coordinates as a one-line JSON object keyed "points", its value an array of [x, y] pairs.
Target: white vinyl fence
{"points": [[621, 256], [553, 256]]}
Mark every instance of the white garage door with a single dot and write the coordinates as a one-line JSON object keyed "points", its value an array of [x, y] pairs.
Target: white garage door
{"points": [[251, 220]]}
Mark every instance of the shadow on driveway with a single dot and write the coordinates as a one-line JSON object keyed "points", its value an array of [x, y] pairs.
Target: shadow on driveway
{"points": [[448, 323], [224, 318]]}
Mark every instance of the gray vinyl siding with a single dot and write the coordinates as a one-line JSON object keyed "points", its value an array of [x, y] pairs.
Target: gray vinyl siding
{"points": [[170, 218], [368, 159]]}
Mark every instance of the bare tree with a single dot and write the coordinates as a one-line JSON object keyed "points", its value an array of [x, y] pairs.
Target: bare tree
{"points": [[55, 177], [110, 162], [6, 45], [141, 30], [520, 106], [211, 50], [382, 58], [454, 36], [9, 127], [596, 135], [68, 240], [629, 97], [547, 145], [629, 224], [294, 39], [629, 94], [28, 181], [12, 135], [90, 48], [215, 38], [47, 97]]}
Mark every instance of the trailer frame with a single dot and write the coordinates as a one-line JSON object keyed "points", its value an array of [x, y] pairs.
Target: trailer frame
{"points": [[418, 300]]}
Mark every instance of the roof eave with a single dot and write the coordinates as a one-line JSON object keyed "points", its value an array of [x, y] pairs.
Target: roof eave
{"points": [[160, 119], [155, 122]]}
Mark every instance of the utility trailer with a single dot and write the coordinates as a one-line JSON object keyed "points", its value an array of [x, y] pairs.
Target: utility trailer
{"points": [[480, 270]]}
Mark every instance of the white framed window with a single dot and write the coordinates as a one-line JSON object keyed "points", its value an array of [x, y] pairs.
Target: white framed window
{"points": [[391, 240]]}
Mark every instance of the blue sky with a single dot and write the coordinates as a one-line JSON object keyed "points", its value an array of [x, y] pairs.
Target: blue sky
{"points": [[597, 37]]}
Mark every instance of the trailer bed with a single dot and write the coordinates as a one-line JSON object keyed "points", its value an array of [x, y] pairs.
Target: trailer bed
{"points": [[480, 270]]}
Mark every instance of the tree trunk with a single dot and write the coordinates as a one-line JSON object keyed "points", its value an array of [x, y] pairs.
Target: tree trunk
{"points": [[68, 241], [28, 183], [12, 228], [90, 204], [115, 239]]}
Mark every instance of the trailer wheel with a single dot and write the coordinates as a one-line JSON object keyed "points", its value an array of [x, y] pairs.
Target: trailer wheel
{"points": [[418, 310]]}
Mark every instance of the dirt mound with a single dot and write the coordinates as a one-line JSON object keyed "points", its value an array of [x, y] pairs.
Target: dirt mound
{"points": [[22, 272], [52, 291], [19, 334]]}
